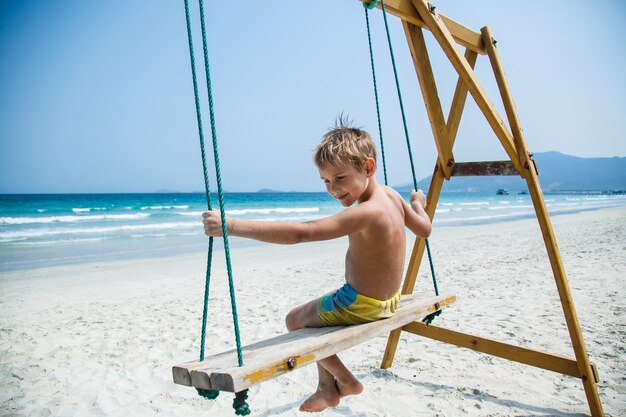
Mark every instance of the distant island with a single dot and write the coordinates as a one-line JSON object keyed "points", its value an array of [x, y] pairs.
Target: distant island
{"points": [[557, 173], [166, 191], [268, 191], [271, 191]]}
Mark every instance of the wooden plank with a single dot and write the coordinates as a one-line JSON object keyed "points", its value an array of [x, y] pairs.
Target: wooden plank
{"points": [[273, 357], [465, 36], [282, 358], [507, 100], [484, 168], [182, 373], [426, 78], [539, 359], [460, 64]]}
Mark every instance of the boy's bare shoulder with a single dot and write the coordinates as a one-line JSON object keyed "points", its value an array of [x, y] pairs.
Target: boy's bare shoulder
{"points": [[393, 194], [391, 191], [388, 199]]}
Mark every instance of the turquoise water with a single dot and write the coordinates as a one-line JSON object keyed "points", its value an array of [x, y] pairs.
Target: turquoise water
{"points": [[45, 230]]}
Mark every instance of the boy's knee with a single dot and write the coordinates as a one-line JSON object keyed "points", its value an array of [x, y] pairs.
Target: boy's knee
{"points": [[303, 316], [291, 321]]}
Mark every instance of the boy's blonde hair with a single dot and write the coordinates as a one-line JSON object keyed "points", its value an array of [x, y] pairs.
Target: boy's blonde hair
{"points": [[345, 145]]}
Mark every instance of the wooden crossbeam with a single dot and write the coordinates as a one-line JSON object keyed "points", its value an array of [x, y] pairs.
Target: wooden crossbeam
{"points": [[444, 38], [536, 358], [279, 355], [484, 168], [465, 36]]}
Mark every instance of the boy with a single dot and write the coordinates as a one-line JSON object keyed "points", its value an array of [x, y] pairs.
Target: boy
{"points": [[346, 160]]}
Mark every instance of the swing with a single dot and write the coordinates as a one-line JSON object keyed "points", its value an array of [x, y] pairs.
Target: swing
{"points": [[276, 356], [281, 354]]}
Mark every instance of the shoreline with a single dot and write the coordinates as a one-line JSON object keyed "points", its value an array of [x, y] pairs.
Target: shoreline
{"points": [[101, 338], [238, 243]]}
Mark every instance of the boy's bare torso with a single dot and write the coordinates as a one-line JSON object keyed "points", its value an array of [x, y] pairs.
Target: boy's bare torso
{"points": [[375, 257]]}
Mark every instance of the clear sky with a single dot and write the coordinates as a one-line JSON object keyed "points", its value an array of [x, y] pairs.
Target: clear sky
{"points": [[97, 96]]}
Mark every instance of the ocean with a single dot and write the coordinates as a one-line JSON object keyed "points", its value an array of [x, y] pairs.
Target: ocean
{"points": [[58, 229]]}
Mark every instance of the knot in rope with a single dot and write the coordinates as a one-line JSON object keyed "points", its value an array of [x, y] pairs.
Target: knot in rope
{"points": [[209, 394], [240, 405]]}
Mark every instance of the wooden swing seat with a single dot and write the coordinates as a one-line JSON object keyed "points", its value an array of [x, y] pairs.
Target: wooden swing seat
{"points": [[281, 354]]}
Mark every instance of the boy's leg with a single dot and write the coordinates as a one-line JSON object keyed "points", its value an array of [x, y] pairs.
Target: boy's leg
{"points": [[326, 394], [335, 380]]}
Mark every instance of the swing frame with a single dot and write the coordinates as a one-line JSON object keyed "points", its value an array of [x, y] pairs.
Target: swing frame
{"points": [[417, 15]]}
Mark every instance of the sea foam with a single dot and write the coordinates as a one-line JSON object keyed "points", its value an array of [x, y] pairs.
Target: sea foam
{"points": [[279, 210], [71, 219], [182, 207], [35, 233]]}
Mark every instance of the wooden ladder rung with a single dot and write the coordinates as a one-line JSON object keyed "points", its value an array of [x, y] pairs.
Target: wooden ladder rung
{"points": [[484, 168]]}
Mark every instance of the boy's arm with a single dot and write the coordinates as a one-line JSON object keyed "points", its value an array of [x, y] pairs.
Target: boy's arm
{"points": [[415, 217], [341, 224]]}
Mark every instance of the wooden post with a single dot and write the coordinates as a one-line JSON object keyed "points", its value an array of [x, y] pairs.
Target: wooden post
{"points": [[507, 100], [459, 99], [421, 62], [545, 224], [567, 302]]}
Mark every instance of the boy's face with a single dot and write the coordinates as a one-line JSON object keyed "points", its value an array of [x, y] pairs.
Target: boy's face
{"points": [[346, 183]]}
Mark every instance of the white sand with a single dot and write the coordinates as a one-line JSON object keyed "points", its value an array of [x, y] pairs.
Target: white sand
{"points": [[100, 339]]}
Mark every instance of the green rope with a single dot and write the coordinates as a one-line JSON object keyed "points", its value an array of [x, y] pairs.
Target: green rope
{"points": [[367, 7], [395, 74], [206, 178], [211, 394], [428, 319], [220, 193], [432, 268]]}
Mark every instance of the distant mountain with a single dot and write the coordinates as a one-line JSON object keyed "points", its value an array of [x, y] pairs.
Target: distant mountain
{"points": [[557, 172]]}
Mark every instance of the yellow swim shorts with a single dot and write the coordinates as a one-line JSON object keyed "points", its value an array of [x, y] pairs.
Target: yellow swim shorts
{"points": [[346, 306]]}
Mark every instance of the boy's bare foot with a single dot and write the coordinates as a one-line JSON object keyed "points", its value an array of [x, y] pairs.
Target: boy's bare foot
{"points": [[322, 399], [352, 388]]}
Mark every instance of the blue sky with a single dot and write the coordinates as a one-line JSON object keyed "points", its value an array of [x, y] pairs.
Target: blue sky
{"points": [[97, 96]]}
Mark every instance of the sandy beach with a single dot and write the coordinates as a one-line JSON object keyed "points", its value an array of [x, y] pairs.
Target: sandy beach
{"points": [[100, 339]]}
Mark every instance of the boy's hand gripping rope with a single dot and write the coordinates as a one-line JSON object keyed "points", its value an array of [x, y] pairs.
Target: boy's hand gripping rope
{"points": [[240, 405]]}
